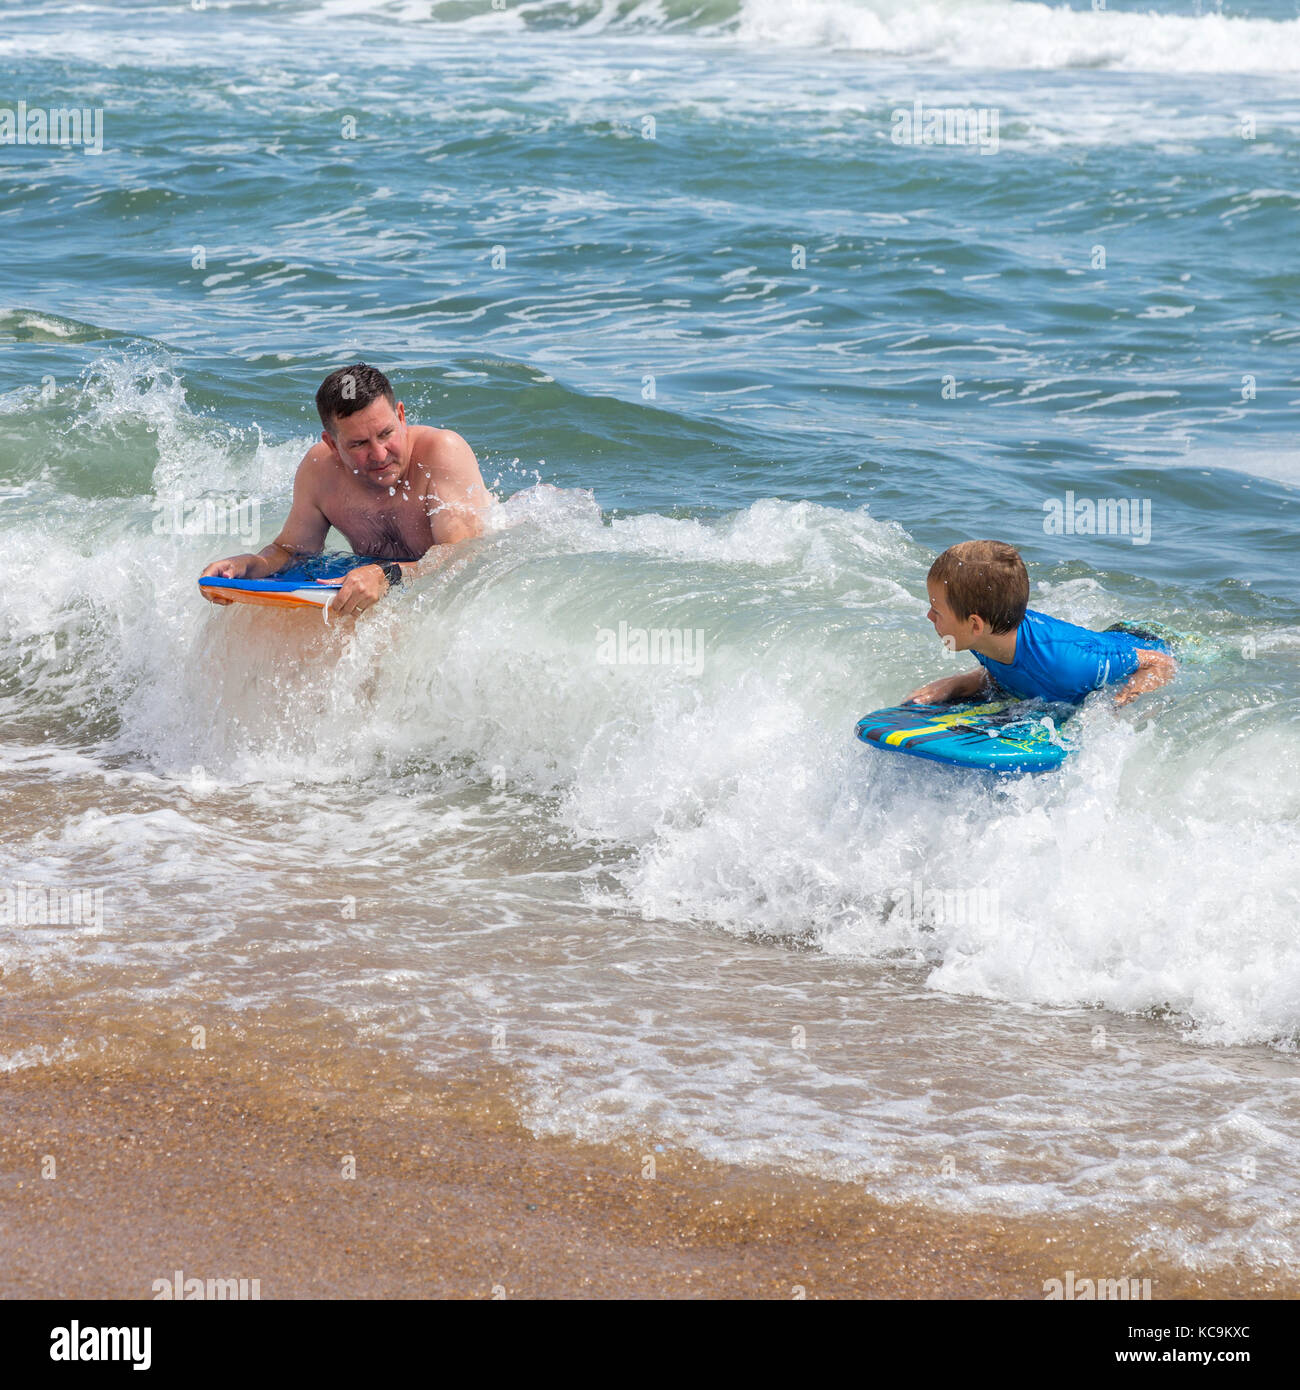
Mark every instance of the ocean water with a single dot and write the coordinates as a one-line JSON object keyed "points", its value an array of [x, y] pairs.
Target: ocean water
{"points": [[737, 358]]}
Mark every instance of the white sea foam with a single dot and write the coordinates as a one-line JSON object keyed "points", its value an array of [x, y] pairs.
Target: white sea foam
{"points": [[988, 34], [736, 786], [970, 34], [1020, 35]]}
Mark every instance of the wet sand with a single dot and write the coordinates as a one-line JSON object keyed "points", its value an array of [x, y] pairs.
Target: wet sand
{"points": [[230, 1162]]}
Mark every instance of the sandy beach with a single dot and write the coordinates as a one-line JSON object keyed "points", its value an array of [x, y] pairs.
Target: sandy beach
{"points": [[230, 1162]]}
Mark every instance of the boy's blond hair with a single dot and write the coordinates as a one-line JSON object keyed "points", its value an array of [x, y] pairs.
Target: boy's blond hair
{"points": [[984, 577]]}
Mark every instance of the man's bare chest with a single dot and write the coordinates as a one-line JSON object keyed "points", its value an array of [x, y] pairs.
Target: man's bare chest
{"points": [[394, 527]]}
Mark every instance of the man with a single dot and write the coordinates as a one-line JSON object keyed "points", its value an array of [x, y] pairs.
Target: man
{"points": [[394, 491]]}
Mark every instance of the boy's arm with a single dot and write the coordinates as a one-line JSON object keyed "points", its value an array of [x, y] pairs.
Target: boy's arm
{"points": [[1155, 669], [967, 686]]}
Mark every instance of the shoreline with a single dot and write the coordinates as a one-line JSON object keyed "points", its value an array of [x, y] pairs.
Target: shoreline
{"points": [[232, 1163]]}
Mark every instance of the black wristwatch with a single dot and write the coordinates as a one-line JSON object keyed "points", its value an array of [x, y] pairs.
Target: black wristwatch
{"points": [[393, 573]]}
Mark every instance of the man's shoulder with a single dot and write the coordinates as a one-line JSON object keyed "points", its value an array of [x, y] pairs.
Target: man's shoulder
{"points": [[430, 444], [316, 465], [444, 457]]}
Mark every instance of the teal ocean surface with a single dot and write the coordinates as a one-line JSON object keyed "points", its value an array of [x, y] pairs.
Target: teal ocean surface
{"points": [[747, 308]]}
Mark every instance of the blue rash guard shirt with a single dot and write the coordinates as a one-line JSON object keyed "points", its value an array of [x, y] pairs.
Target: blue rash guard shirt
{"points": [[1060, 662]]}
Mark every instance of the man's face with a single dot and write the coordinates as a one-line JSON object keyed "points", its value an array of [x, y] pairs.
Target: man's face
{"points": [[957, 634], [372, 443]]}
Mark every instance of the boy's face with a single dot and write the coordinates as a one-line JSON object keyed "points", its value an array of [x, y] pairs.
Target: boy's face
{"points": [[957, 635]]}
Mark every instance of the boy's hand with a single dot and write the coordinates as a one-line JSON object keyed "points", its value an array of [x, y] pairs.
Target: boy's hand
{"points": [[937, 692], [964, 687], [1155, 668]]}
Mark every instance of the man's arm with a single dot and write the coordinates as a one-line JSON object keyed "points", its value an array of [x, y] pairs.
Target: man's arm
{"points": [[968, 686], [463, 499], [303, 533], [1155, 668]]}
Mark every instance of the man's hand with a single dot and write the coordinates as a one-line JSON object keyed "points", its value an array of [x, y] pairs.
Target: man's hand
{"points": [[236, 567], [951, 688], [362, 589]]}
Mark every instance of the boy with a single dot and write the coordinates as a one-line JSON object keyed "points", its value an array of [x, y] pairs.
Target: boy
{"points": [[978, 596]]}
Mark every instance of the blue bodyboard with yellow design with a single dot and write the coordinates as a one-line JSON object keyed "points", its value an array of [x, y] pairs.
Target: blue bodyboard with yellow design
{"points": [[1008, 736]]}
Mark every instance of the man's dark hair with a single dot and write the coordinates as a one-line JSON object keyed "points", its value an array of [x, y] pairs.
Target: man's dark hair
{"points": [[350, 389]]}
